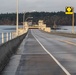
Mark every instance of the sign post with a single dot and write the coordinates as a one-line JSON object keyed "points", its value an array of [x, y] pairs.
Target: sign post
{"points": [[73, 22], [70, 11]]}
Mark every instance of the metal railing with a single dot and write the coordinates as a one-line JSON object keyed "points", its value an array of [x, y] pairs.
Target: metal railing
{"points": [[4, 37]]}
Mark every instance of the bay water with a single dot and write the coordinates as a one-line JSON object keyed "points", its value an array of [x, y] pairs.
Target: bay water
{"points": [[66, 29], [8, 28]]}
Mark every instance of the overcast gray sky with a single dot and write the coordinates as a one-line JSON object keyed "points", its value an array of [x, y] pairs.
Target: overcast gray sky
{"points": [[38, 5]]}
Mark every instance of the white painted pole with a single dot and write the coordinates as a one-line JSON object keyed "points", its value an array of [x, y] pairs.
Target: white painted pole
{"points": [[17, 20], [2, 37], [10, 36], [6, 36]]}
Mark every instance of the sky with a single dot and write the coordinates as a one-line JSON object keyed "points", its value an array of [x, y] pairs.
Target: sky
{"points": [[9, 6]]}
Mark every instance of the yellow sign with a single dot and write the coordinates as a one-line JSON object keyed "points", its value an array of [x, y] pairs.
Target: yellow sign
{"points": [[69, 10]]}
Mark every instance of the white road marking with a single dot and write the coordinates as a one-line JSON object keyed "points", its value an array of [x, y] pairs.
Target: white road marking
{"points": [[52, 57]]}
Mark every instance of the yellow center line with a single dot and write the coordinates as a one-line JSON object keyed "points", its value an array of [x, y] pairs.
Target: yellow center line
{"points": [[68, 42]]}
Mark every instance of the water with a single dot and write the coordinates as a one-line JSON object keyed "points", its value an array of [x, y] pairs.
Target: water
{"points": [[6, 28], [67, 29]]}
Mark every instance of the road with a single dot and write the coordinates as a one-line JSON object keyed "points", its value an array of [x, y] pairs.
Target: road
{"points": [[43, 54]]}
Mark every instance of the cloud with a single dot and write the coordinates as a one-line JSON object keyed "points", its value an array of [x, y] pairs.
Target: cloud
{"points": [[38, 5], [7, 6]]}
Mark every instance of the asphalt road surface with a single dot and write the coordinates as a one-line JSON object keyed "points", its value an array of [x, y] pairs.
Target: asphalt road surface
{"points": [[43, 54]]}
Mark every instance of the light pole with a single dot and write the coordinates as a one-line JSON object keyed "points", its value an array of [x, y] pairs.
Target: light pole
{"points": [[23, 19], [17, 19]]}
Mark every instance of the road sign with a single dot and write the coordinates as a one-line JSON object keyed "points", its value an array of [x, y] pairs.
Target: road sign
{"points": [[69, 10]]}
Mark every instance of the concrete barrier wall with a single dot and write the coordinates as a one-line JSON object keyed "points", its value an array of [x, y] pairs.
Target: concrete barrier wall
{"points": [[9, 48]]}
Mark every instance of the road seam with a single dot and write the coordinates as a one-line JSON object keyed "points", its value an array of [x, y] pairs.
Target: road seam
{"points": [[53, 57]]}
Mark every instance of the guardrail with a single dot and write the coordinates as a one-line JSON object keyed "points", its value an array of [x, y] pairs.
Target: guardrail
{"points": [[4, 37]]}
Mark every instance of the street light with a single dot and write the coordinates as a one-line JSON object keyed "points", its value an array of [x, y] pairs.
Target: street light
{"points": [[29, 23], [17, 19], [25, 19], [28, 18]]}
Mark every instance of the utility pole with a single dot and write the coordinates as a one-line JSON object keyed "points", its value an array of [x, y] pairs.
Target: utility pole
{"points": [[17, 20]]}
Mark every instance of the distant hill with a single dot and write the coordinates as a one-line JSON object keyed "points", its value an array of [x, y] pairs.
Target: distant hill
{"points": [[49, 17]]}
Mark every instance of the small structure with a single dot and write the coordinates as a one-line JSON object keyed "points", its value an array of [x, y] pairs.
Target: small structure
{"points": [[40, 23], [48, 29], [43, 27]]}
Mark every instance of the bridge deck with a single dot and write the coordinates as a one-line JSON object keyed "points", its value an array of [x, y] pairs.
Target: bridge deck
{"points": [[31, 59]]}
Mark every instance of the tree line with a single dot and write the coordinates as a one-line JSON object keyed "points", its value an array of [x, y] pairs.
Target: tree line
{"points": [[49, 18]]}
